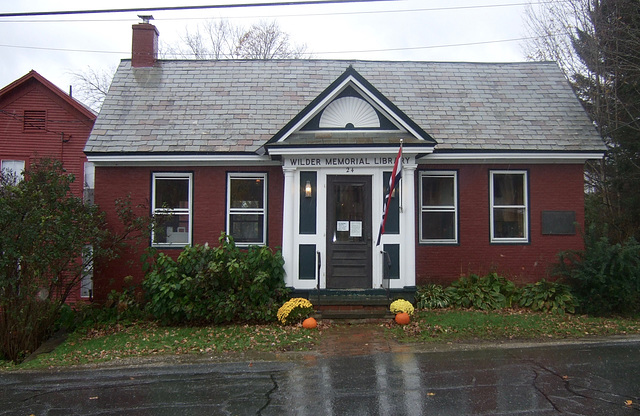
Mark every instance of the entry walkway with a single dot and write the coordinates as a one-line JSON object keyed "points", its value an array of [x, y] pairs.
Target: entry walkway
{"points": [[347, 339]]}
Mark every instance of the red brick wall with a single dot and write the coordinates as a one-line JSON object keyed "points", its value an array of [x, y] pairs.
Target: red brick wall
{"points": [[209, 208], [551, 187]]}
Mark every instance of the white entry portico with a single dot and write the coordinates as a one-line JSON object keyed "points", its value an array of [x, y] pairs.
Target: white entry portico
{"points": [[310, 259], [337, 156]]}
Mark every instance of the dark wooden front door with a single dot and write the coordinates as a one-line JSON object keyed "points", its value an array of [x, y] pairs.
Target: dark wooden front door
{"points": [[349, 232]]}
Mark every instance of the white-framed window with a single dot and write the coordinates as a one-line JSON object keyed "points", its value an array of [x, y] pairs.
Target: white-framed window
{"points": [[14, 168], [171, 197], [89, 182], [86, 284], [247, 208], [509, 206], [439, 207]]}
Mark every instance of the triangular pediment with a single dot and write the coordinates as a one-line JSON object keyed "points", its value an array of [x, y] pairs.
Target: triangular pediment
{"points": [[20, 87], [350, 110]]}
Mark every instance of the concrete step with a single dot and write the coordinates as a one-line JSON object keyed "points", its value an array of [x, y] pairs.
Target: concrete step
{"points": [[354, 314], [353, 310]]}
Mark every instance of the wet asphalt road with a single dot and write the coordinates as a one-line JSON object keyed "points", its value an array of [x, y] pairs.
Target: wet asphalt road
{"points": [[585, 379]]}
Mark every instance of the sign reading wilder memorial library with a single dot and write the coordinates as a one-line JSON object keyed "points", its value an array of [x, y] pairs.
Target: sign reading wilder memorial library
{"points": [[344, 161]]}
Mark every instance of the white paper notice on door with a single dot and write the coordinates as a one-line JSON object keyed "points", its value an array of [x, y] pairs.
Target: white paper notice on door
{"points": [[356, 229], [342, 226]]}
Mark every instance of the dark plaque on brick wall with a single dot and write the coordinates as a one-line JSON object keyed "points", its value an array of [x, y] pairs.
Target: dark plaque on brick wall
{"points": [[558, 222]]}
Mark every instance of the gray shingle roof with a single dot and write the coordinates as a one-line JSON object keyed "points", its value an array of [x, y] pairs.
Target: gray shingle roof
{"points": [[237, 106]]}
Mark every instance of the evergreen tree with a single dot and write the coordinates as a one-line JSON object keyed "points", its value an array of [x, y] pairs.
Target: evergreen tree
{"points": [[610, 91]]}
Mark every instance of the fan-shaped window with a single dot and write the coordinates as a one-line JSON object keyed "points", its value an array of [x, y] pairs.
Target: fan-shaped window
{"points": [[349, 113]]}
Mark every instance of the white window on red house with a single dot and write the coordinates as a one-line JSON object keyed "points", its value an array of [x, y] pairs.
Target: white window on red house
{"points": [[509, 207], [439, 207], [89, 182], [171, 197], [246, 208], [86, 283], [13, 169]]}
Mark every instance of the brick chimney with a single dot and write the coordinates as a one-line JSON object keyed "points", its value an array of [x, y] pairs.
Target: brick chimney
{"points": [[144, 46]]}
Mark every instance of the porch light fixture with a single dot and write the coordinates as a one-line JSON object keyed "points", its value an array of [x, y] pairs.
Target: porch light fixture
{"points": [[307, 189]]}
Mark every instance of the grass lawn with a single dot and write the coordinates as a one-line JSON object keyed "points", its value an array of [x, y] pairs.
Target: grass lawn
{"points": [[148, 339], [452, 325], [145, 339]]}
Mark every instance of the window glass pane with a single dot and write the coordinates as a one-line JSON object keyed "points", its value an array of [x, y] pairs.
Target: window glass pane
{"points": [[171, 229], [247, 228], [89, 175], [437, 191], [508, 222], [247, 193], [349, 210], [86, 284], [172, 193], [438, 225], [508, 189], [13, 169]]}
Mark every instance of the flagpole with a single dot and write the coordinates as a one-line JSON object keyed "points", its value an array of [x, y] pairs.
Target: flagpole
{"points": [[394, 182], [401, 185]]}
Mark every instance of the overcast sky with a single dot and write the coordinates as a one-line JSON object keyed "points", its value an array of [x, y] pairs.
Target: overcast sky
{"points": [[54, 46]]}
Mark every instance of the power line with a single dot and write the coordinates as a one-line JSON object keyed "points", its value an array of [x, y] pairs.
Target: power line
{"points": [[40, 48], [451, 45], [337, 13], [175, 8]]}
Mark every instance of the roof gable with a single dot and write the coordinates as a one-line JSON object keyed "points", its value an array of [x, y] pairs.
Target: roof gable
{"points": [[351, 104], [20, 86]]}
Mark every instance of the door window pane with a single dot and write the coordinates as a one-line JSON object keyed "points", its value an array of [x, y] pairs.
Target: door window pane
{"points": [[349, 212]]}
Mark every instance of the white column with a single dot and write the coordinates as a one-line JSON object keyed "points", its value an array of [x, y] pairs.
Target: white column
{"points": [[288, 225], [408, 226]]}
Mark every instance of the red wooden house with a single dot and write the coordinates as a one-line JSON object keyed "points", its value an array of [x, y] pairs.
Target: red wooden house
{"points": [[297, 154], [38, 120]]}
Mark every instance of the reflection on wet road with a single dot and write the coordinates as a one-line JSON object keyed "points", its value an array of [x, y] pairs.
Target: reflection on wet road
{"points": [[544, 380]]}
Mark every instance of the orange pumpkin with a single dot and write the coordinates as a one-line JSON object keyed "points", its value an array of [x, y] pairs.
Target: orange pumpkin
{"points": [[309, 323], [403, 318]]}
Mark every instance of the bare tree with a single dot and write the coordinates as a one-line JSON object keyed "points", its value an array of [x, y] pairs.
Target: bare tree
{"points": [[597, 45], [221, 40], [92, 85], [215, 39], [265, 40], [551, 28]]}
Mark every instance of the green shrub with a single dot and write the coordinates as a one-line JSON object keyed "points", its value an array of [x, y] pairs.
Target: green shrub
{"points": [[605, 277], [431, 296], [548, 297], [216, 285], [121, 307], [485, 293]]}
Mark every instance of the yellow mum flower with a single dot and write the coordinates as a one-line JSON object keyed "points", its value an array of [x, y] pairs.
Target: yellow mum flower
{"points": [[294, 309], [401, 305]]}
